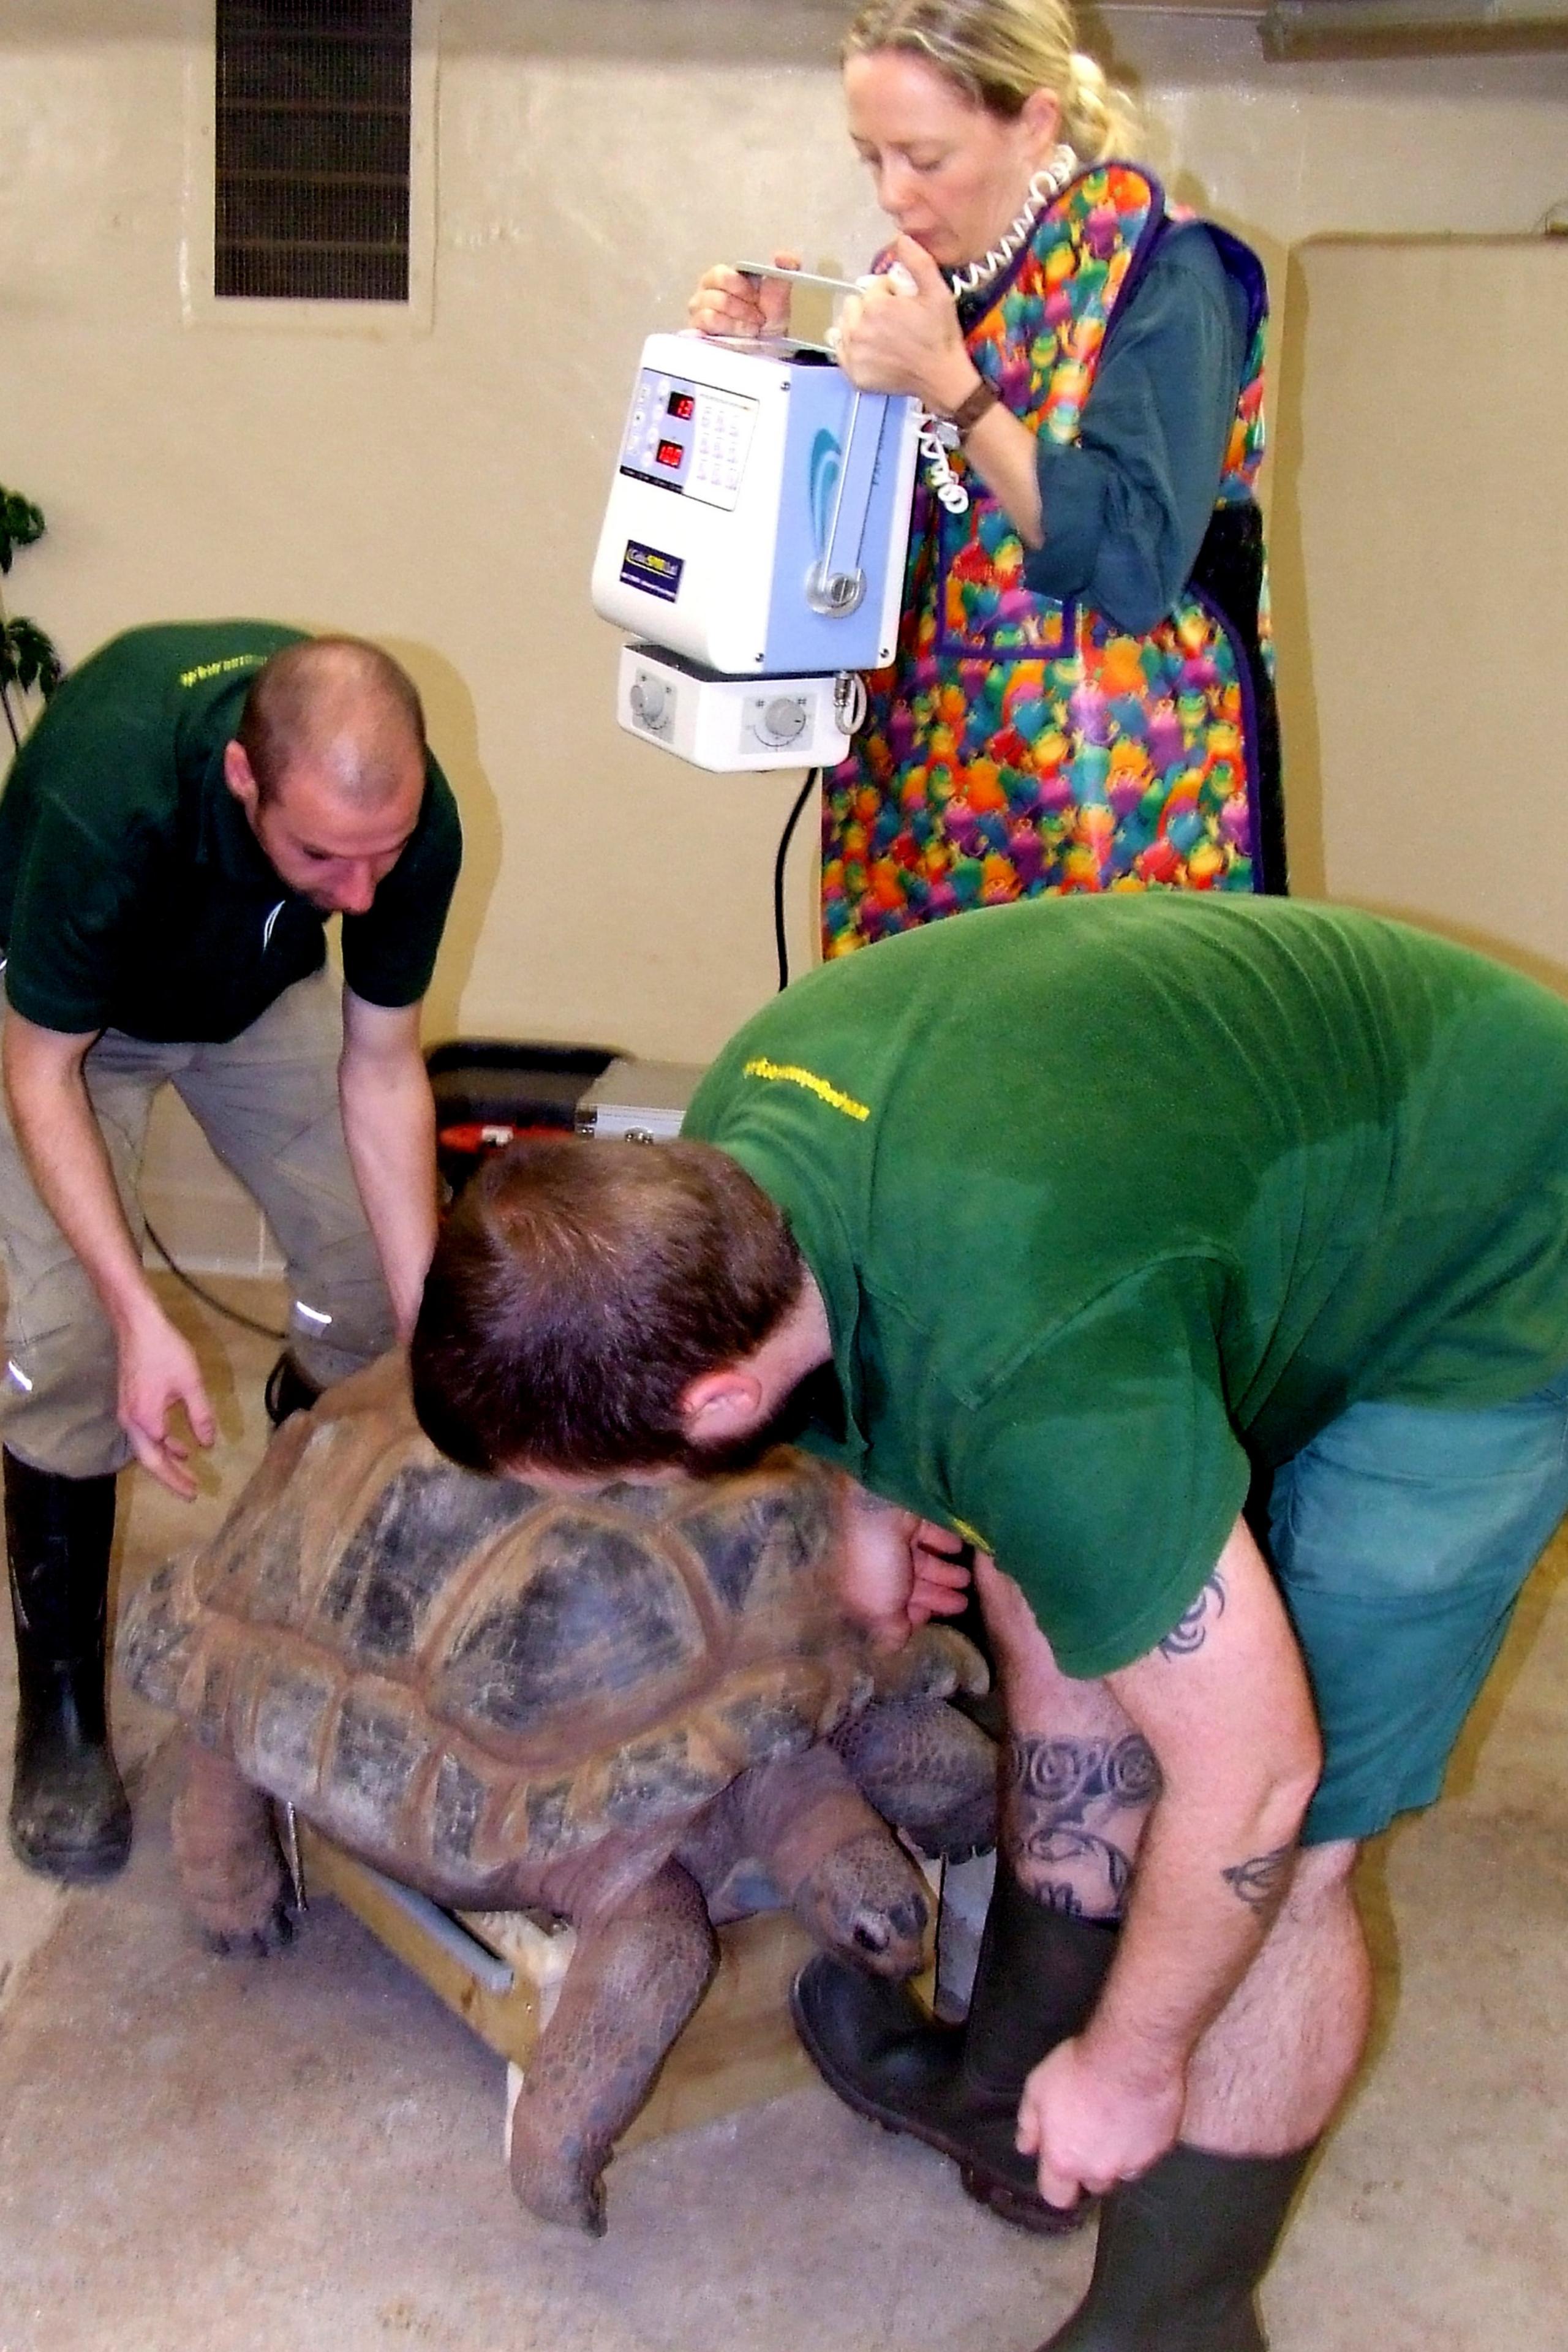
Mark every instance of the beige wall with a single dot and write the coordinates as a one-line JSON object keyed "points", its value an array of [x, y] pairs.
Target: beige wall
{"points": [[441, 487], [1429, 511]]}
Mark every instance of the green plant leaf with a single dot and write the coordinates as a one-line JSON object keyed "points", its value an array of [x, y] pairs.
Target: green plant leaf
{"points": [[28, 658], [21, 522]]}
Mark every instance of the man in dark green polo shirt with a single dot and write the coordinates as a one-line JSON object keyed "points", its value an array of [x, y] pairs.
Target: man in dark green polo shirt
{"points": [[1205, 1265], [195, 803]]}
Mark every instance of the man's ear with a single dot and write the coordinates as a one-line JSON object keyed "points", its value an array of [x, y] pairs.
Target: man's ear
{"points": [[717, 1406], [240, 777]]}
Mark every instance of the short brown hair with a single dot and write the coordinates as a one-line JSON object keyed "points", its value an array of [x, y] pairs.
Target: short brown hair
{"points": [[340, 701], [579, 1286]]}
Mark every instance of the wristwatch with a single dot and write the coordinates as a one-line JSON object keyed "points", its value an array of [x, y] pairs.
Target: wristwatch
{"points": [[972, 407]]}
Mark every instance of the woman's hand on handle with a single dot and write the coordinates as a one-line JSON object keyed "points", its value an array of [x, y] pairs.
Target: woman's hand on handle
{"points": [[728, 302], [902, 333]]}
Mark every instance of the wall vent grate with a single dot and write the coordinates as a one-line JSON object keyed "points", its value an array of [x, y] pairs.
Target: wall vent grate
{"points": [[313, 115]]}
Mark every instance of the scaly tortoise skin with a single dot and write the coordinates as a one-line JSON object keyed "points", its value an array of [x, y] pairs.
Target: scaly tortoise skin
{"points": [[640, 1707]]}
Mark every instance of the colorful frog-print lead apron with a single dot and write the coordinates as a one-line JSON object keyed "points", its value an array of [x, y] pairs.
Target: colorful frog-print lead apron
{"points": [[1018, 745]]}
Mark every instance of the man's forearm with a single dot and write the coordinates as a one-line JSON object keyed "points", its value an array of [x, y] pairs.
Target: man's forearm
{"points": [[389, 1121], [1207, 1884]]}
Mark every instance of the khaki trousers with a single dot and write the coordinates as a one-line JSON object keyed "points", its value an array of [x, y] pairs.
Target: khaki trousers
{"points": [[267, 1104]]}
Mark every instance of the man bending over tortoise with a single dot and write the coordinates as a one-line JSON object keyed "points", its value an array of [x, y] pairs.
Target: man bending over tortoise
{"points": [[1171, 1252], [198, 799]]}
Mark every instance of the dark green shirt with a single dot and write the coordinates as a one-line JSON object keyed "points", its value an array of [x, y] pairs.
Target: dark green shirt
{"points": [[133, 894], [1108, 1198]]}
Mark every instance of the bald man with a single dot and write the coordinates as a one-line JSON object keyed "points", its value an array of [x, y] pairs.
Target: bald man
{"points": [[195, 803]]}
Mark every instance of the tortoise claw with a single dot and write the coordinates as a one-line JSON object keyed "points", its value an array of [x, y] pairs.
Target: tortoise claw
{"points": [[258, 1943], [558, 2185], [938, 1662]]}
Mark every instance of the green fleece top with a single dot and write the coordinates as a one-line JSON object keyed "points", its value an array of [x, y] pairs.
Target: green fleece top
{"points": [[1110, 1198], [133, 894]]}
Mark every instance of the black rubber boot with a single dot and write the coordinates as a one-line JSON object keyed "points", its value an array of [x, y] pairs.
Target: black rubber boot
{"points": [[286, 1390], [70, 1818], [957, 2087], [1179, 2255]]}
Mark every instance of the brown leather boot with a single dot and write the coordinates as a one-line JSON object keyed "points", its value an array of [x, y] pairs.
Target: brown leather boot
{"points": [[957, 2087]]}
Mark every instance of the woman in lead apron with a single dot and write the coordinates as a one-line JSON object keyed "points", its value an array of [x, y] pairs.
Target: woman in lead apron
{"points": [[1082, 695]]}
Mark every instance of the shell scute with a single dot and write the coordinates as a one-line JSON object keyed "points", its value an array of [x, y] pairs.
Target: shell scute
{"points": [[396, 1567], [379, 1746], [457, 1810], [154, 1653], [287, 1720], [591, 1614], [210, 1702], [264, 1578], [254, 1568], [649, 1782], [756, 1538], [541, 1825], [763, 1725]]}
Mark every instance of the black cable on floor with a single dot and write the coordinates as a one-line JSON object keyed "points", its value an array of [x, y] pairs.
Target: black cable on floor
{"points": [[813, 778], [246, 1322]]}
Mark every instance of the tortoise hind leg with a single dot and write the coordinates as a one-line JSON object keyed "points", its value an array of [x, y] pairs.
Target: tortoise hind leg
{"points": [[231, 1873], [638, 1973]]}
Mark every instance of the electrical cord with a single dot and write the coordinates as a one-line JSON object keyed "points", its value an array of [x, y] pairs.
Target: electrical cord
{"points": [[813, 778], [246, 1322]]}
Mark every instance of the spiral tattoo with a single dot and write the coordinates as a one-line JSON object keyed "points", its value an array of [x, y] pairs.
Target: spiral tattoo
{"points": [[1061, 1778], [1062, 1796], [1190, 1629]]}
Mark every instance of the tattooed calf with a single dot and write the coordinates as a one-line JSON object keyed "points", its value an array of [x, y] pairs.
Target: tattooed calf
{"points": [[1191, 1630], [1061, 1799]]}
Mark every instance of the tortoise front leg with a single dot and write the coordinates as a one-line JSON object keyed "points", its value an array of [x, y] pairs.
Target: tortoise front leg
{"points": [[231, 1873], [636, 1975], [928, 1769]]}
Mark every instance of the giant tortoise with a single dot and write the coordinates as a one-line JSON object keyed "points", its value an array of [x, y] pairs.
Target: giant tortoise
{"points": [[639, 1709]]}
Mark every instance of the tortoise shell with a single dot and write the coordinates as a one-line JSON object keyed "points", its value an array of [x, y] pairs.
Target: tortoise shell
{"points": [[462, 1676]]}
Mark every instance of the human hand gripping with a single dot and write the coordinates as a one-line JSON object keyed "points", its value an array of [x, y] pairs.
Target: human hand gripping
{"points": [[158, 1370], [901, 333], [941, 1578], [728, 302], [897, 1570], [1088, 2130]]}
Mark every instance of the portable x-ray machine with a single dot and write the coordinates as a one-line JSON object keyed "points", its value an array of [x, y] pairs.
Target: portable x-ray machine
{"points": [[755, 542]]}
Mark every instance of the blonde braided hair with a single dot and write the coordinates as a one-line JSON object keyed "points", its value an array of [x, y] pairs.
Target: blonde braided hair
{"points": [[998, 53]]}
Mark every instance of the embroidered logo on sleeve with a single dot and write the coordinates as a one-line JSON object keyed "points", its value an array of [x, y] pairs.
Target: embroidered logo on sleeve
{"points": [[790, 1074]]}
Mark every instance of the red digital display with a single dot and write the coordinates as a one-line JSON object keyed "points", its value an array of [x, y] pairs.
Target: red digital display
{"points": [[681, 405], [668, 453]]}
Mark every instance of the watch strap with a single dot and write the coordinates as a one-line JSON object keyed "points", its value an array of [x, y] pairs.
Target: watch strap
{"points": [[972, 407]]}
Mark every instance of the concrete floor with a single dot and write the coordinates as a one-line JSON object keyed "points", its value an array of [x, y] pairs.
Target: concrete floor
{"points": [[199, 2155]]}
